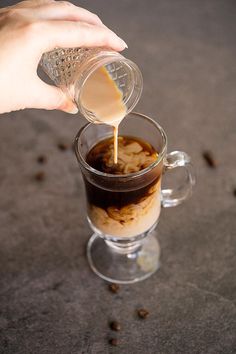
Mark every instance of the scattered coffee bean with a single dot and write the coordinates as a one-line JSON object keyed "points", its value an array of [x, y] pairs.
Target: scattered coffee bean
{"points": [[57, 285], [41, 159], [45, 312], [39, 176], [114, 288], [114, 342], [62, 146], [115, 326], [210, 159], [234, 192], [143, 313]]}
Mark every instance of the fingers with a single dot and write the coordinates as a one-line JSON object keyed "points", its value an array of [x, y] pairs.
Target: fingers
{"points": [[62, 10], [66, 11], [50, 97], [32, 3], [78, 34], [62, 24]]}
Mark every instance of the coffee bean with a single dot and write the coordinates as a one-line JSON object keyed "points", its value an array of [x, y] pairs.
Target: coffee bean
{"points": [[115, 326], [45, 312], [114, 288], [41, 159], [234, 192], [39, 176], [143, 313], [57, 285], [62, 146], [210, 159], [114, 342]]}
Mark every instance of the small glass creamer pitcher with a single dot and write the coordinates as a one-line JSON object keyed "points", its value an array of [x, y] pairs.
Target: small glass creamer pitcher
{"points": [[70, 68]]}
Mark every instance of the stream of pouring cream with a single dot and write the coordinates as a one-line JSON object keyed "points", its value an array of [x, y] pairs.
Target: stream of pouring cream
{"points": [[101, 96]]}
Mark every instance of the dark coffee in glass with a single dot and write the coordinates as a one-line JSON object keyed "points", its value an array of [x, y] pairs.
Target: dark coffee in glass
{"points": [[121, 212]]}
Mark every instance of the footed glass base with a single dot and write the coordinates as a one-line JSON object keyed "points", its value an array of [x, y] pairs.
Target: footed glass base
{"points": [[124, 262]]}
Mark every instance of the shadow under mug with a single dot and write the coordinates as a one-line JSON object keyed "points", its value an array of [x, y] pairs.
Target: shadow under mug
{"points": [[123, 210]]}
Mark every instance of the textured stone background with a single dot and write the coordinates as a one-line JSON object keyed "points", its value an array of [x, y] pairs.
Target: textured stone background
{"points": [[50, 301]]}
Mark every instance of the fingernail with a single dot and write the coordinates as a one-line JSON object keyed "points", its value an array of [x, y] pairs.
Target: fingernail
{"points": [[123, 42], [73, 110]]}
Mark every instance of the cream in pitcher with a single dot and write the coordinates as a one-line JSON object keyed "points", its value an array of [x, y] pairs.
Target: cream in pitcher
{"points": [[101, 96]]}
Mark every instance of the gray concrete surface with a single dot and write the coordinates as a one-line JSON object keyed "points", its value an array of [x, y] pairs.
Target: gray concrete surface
{"points": [[50, 301]]}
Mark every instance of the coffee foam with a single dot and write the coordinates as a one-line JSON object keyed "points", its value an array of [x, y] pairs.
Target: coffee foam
{"points": [[133, 156]]}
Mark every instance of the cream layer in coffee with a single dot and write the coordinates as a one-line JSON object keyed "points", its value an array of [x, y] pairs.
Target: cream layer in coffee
{"points": [[130, 220], [123, 212]]}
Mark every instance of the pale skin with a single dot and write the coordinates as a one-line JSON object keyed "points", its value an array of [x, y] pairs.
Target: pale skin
{"points": [[29, 29]]}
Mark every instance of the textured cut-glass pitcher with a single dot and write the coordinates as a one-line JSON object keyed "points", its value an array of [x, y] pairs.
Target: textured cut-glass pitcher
{"points": [[70, 68]]}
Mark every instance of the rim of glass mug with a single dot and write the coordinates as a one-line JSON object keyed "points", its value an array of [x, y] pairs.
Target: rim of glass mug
{"points": [[132, 175], [104, 58]]}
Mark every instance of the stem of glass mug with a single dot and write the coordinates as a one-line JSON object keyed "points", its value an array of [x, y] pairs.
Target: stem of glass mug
{"points": [[125, 247]]}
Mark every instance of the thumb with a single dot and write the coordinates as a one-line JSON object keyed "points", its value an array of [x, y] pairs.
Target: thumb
{"points": [[51, 97]]}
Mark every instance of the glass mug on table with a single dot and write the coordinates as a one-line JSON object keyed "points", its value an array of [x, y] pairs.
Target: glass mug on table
{"points": [[123, 210]]}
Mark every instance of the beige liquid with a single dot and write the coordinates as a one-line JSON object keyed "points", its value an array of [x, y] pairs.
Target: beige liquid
{"points": [[101, 96]]}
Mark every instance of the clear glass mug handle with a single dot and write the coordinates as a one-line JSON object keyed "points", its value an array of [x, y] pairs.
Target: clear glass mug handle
{"points": [[176, 196]]}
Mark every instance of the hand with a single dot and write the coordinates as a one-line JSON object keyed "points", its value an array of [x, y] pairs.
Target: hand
{"points": [[29, 29]]}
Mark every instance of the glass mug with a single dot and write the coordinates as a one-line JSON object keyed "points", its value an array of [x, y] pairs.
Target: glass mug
{"points": [[123, 210]]}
